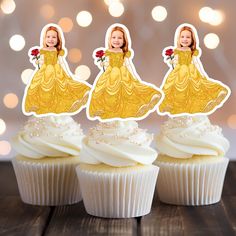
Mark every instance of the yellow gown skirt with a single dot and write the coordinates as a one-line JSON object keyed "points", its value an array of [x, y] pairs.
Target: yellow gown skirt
{"points": [[118, 95], [186, 91], [52, 91]]}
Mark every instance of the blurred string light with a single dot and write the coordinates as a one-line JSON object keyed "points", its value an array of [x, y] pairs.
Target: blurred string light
{"points": [[82, 72], [211, 16], [159, 13], [109, 2], [10, 100], [47, 11], [17, 42], [2, 126], [26, 75], [5, 148], [66, 24], [211, 41], [116, 8], [232, 121], [74, 55], [8, 6], [84, 18]]}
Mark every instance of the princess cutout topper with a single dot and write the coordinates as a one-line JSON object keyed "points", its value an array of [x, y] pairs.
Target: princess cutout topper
{"points": [[118, 93], [52, 90], [187, 88]]}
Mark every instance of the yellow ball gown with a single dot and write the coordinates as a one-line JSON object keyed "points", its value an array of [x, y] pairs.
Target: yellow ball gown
{"points": [[187, 91], [117, 94], [52, 91]]}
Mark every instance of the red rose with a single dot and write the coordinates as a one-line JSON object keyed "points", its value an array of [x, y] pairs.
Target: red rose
{"points": [[35, 52], [100, 53], [169, 52]]}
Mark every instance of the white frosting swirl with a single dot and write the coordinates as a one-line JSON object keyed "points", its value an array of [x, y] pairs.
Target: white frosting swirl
{"points": [[51, 136], [183, 137], [118, 143]]}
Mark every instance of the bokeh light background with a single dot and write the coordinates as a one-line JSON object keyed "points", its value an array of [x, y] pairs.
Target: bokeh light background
{"points": [[152, 25]]}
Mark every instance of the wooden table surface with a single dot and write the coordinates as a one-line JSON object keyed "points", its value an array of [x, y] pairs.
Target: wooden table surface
{"points": [[17, 218]]}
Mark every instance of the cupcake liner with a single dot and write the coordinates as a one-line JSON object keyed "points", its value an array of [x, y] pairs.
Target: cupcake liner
{"points": [[120, 194], [191, 184], [47, 184]]}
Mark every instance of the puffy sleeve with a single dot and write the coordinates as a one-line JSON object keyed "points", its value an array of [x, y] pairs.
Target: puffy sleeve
{"points": [[42, 51], [176, 51], [128, 54], [61, 53], [196, 52], [107, 53]]}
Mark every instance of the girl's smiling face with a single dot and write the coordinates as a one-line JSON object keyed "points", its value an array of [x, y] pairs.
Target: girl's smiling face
{"points": [[51, 38], [117, 39], [185, 38]]}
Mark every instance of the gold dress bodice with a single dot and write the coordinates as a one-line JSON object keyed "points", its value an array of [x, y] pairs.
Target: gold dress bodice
{"points": [[51, 57], [184, 57]]}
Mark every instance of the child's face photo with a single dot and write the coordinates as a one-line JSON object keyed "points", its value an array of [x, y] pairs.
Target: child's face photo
{"points": [[185, 38], [51, 38], [117, 39]]}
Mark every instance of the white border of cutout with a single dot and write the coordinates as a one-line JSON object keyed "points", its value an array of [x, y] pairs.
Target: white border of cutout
{"points": [[68, 71], [200, 64], [136, 76]]}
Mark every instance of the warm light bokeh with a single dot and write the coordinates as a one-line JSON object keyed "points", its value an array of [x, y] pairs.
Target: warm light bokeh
{"points": [[26, 75], [82, 72], [17, 42], [74, 55], [116, 9], [232, 121], [66, 24], [2, 126], [211, 41], [47, 11], [84, 18], [10, 100], [5, 148], [8, 6], [159, 13]]}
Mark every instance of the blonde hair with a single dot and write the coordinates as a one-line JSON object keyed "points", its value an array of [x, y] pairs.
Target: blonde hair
{"points": [[125, 46], [58, 46], [193, 38]]}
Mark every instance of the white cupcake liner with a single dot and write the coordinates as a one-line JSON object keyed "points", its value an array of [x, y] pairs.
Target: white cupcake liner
{"points": [[118, 195], [47, 184], [191, 184]]}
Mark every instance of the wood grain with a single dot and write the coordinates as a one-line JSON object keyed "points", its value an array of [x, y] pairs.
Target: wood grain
{"points": [[8, 184], [17, 218], [230, 180], [163, 220], [73, 220]]}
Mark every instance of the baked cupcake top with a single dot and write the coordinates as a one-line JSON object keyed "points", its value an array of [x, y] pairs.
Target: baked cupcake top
{"points": [[52, 136], [118, 144], [184, 137]]}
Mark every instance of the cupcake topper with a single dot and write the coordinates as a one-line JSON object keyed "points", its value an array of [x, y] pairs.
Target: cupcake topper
{"points": [[188, 89], [118, 93], [52, 89]]}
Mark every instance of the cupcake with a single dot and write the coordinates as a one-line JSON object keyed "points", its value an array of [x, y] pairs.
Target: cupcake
{"points": [[48, 150], [116, 174], [191, 160]]}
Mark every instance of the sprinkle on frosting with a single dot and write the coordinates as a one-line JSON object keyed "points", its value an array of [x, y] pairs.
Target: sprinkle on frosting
{"points": [[183, 137], [118, 143], [49, 136]]}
